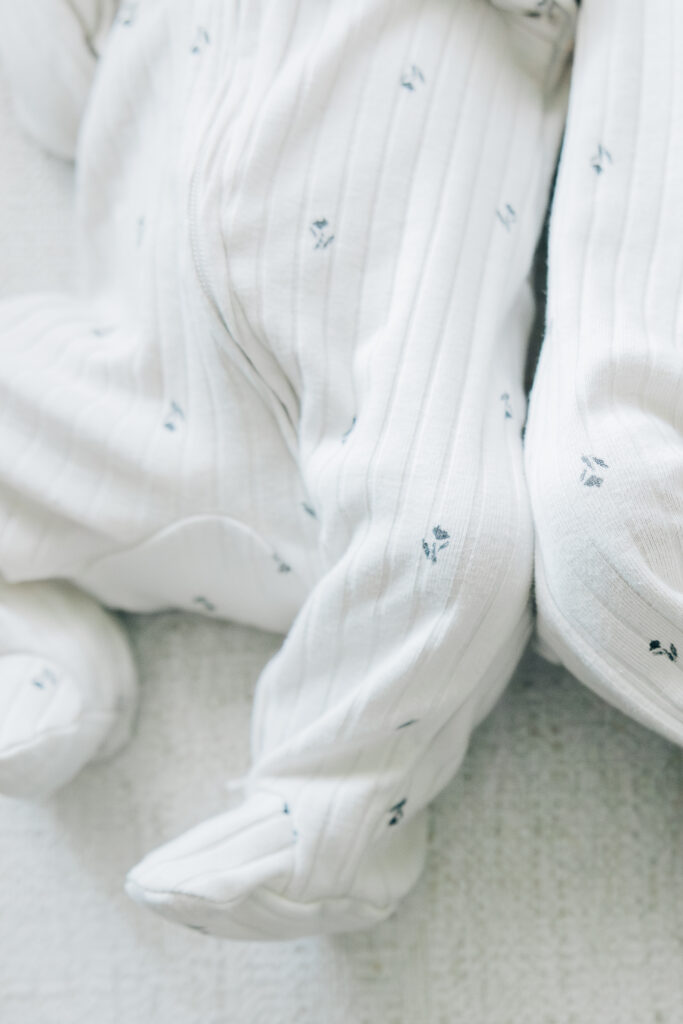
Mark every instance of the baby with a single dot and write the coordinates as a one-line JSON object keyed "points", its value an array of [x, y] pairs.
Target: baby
{"points": [[289, 393]]}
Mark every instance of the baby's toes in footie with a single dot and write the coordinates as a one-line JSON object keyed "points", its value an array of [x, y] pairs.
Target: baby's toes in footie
{"points": [[46, 731], [214, 877]]}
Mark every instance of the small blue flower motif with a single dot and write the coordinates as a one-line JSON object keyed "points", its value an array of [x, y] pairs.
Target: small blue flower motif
{"points": [[175, 417], [508, 410], [600, 160], [127, 13], [589, 478], [320, 231], [204, 603], [507, 216], [281, 566], [201, 40], [430, 551], [46, 678], [545, 8], [396, 812], [412, 78], [308, 509], [671, 653], [347, 433]]}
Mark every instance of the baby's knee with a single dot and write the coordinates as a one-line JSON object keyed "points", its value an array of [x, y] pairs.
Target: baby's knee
{"points": [[486, 546], [609, 570], [610, 520]]}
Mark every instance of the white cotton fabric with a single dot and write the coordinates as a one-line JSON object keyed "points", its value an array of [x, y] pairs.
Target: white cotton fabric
{"points": [[69, 689], [604, 441], [289, 394]]}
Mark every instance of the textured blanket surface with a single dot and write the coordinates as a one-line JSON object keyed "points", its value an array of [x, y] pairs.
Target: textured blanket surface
{"points": [[554, 885]]}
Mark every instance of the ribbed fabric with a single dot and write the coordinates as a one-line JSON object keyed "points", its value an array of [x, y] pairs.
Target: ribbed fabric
{"points": [[290, 394], [604, 444]]}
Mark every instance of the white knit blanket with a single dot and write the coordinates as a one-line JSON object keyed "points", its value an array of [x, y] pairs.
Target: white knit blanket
{"points": [[554, 887]]}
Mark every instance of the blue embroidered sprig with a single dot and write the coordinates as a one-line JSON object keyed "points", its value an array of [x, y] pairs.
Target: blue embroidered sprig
{"points": [[507, 216], [201, 40], [319, 230], [347, 433], [600, 160], [46, 677], [440, 535], [396, 812], [412, 78], [591, 462], [175, 417], [656, 648]]}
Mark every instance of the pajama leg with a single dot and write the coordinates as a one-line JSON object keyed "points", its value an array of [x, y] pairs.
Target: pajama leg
{"points": [[68, 485], [411, 314], [604, 442]]}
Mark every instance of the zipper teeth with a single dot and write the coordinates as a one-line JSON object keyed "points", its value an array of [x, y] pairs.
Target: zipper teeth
{"points": [[199, 262], [198, 256]]}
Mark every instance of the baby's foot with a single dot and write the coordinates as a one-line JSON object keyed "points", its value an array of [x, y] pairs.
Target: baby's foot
{"points": [[46, 733], [67, 686], [232, 876], [247, 874], [221, 876]]}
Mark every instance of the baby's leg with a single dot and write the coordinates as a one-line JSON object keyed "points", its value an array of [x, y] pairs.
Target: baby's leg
{"points": [[67, 686], [67, 486], [605, 435], [409, 308], [67, 680]]}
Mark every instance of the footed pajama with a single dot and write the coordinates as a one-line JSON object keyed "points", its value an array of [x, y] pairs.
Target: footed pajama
{"points": [[289, 392]]}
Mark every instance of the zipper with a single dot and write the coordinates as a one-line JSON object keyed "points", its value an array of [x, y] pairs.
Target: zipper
{"points": [[233, 349]]}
